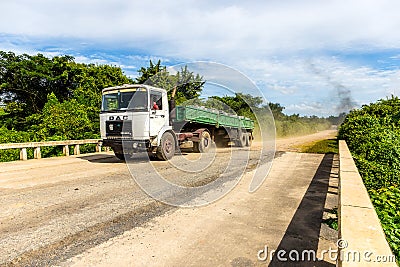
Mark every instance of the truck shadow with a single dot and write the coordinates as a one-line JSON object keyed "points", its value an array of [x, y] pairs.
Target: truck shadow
{"points": [[303, 231], [109, 158], [100, 158]]}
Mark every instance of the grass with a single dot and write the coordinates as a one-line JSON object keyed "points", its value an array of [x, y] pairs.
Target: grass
{"points": [[332, 221], [327, 146]]}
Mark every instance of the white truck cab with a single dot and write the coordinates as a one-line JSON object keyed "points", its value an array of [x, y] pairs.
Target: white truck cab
{"points": [[133, 118]]}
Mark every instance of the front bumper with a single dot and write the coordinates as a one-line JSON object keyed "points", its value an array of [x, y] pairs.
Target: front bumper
{"points": [[122, 145]]}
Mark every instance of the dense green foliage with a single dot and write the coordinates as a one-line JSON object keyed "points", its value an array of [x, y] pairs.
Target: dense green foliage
{"points": [[51, 99], [26, 81], [387, 204], [373, 136]]}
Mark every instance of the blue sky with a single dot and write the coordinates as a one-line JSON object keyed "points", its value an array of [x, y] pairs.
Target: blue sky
{"points": [[299, 53]]}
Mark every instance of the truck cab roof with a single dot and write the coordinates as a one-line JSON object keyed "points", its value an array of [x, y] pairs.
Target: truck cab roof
{"points": [[128, 86]]}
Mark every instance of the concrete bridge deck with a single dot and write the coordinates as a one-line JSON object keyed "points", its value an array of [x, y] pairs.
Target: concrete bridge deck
{"points": [[87, 210]]}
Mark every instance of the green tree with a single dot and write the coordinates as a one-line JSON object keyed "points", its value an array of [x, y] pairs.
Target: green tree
{"points": [[62, 120], [188, 85], [29, 79], [90, 82], [145, 73], [277, 110], [26, 81]]}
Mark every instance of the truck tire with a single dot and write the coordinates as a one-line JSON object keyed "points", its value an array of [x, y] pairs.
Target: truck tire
{"points": [[248, 139], [120, 156], [204, 143], [251, 138], [241, 142], [166, 150]]}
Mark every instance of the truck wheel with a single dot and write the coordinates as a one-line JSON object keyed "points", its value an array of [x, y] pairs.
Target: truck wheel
{"points": [[241, 142], [166, 150], [251, 138], [204, 144], [248, 139], [120, 156]]}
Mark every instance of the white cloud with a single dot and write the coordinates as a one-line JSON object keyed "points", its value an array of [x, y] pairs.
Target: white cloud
{"points": [[91, 60], [204, 29], [278, 44], [286, 90]]}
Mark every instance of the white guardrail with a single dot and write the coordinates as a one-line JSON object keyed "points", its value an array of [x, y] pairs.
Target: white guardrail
{"points": [[37, 145]]}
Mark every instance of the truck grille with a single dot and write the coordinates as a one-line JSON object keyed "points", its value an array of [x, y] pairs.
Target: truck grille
{"points": [[119, 128]]}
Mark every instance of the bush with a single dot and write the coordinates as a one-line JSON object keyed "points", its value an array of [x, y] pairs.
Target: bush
{"points": [[387, 203], [12, 136], [373, 136]]}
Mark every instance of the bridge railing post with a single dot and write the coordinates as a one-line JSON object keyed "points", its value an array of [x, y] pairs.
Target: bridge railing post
{"points": [[77, 150], [98, 147], [22, 154], [36, 153], [66, 150]]}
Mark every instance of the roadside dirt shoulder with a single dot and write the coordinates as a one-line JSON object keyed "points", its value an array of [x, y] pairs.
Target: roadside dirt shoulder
{"points": [[292, 144]]}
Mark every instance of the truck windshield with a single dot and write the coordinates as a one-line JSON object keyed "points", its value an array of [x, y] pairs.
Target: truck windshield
{"points": [[127, 99]]}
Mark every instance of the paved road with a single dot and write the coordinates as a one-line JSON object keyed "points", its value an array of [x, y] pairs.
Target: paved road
{"points": [[87, 210]]}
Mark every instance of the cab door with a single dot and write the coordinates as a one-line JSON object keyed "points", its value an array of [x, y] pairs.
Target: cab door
{"points": [[158, 111]]}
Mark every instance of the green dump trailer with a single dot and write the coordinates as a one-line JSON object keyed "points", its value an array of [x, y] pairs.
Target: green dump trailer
{"points": [[216, 118], [223, 128]]}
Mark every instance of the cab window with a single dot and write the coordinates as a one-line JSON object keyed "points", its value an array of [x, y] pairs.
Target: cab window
{"points": [[156, 100]]}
